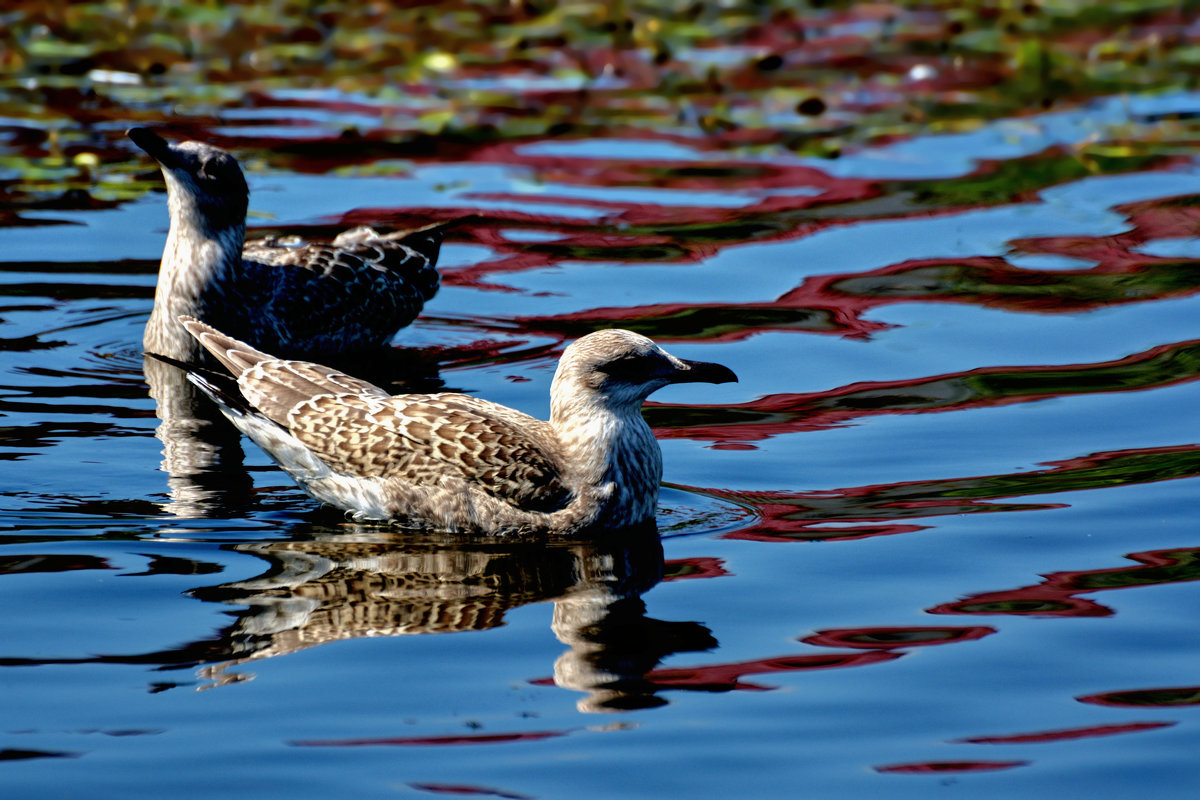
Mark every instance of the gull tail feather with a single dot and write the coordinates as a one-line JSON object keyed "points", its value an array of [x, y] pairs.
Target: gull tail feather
{"points": [[219, 386], [234, 355], [293, 456]]}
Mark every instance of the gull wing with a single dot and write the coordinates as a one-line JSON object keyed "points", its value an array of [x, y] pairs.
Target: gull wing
{"points": [[357, 290], [424, 438]]}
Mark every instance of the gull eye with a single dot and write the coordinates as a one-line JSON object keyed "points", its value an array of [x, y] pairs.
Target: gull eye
{"points": [[211, 169], [216, 167]]}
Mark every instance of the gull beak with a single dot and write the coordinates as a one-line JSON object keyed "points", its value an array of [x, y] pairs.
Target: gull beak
{"points": [[702, 372], [157, 147]]}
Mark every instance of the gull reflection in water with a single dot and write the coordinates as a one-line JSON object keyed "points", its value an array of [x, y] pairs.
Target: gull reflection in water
{"points": [[202, 452], [354, 584]]}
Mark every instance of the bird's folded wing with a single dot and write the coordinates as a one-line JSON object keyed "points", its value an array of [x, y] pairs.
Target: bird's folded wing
{"points": [[329, 297], [424, 438], [359, 254], [276, 387]]}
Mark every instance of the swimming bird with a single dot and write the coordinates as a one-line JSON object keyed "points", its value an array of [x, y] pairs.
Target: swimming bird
{"points": [[454, 462], [312, 299]]}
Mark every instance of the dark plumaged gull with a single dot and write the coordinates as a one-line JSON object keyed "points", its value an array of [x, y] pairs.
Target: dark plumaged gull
{"points": [[453, 462], [311, 299]]}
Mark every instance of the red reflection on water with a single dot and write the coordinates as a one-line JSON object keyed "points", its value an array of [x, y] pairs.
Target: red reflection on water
{"points": [[884, 638], [928, 767], [837, 303], [1056, 595], [697, 567], [855, 513], [623, 231], [780, 529], [1139, 698], [1068, 734], [482, 738], [884, 509], [1040, 600], [759, 184], [1160, 218], [786, 413], [728, 677]]}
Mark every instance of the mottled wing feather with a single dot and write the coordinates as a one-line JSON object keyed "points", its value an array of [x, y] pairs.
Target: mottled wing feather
{"points": [[277, 387], [355, 292], [423, 438], [407, 255]]}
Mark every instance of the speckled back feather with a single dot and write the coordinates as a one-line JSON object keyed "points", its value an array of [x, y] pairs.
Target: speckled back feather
{"points": [[328, 297], [424, 438]]}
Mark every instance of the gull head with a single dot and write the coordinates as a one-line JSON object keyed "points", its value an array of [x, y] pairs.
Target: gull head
{"points": [[205, 185], [620, 369]]}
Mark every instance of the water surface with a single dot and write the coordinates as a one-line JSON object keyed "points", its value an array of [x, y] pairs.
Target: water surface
{"points": [[940, 534]]}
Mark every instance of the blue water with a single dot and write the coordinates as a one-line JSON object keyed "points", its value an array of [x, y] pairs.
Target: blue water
{"points": [[847, 587]]}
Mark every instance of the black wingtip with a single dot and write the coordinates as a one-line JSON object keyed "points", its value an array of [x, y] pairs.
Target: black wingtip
{"points": [[174, 362], [221, 388]]}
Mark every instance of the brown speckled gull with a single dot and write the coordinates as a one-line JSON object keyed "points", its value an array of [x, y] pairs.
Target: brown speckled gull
{"points": [[453, 462], [311, 299]]}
